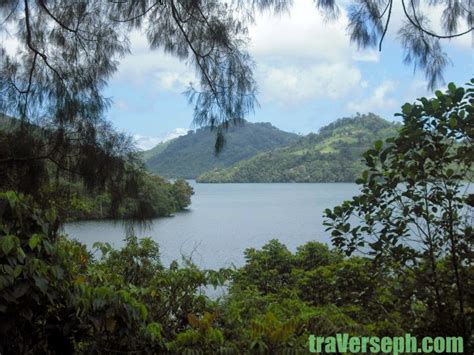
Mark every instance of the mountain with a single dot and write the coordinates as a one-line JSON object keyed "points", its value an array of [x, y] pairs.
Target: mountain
{"points": [[157, 149], [191, 155], [332, 155]]}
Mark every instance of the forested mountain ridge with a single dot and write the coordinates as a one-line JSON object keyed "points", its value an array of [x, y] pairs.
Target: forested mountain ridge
{"points": [[190, 155], [332, 155]]}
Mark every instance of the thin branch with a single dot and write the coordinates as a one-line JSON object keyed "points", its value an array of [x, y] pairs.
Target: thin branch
{"points": [[55, 18], [197, 55], [386, 24], [385, 10], [30, 79], [11, 13], [139, 15], [432, 34], [29, 42]]}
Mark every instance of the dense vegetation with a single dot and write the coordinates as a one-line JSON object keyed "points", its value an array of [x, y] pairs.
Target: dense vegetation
{"points": [[150, 196], [158, 198], [416, 227], [127, 301], [332, 155], [190, 155], [55, 298]]}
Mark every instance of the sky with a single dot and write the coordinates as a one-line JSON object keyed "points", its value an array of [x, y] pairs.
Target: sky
{"points": [[308, 74]]}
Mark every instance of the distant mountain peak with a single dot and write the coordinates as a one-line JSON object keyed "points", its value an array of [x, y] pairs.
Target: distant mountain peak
{"points": [[192, 154], [331, 155]]}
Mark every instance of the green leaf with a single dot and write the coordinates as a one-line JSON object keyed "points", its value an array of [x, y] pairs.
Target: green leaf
{"points": [[17, 271], [365, 175], [41, 283], [406, 108], [459, 94], [34, 240], [378, 144], [453, 122], [452, 88], [7, 243]]}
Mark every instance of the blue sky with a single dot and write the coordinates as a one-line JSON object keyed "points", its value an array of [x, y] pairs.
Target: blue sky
{"points": [[307, 71]]}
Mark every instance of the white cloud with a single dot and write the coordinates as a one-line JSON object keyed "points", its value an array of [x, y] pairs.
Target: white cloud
{"points": [[153, 68], [418, 88], [8, 41], [304, 34], [148, 142], [293, 84], [299, 57], [378, 101], [302, 57]]}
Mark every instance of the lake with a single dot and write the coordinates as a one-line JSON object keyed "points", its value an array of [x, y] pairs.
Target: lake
{"points": [[225, 219]]}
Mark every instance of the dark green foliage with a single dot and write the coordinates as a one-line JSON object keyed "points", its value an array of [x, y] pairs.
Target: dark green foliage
{"points": [[182, 192], [193, 154], [105, 186], [46, 307], [332, 155], [56, 298], [156, 197], [413, 213]]}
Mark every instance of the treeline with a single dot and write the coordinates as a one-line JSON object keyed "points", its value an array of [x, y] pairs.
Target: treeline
{"points": [[80, 188], [158, 198], [332, 155], [403, 261]]}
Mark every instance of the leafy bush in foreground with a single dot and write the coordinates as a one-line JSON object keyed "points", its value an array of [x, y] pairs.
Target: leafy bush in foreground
{"points": [[56, 298]]}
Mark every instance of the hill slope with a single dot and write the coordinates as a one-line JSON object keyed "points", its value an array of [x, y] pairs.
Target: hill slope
{"points": [[193, 154], [332, 155]]}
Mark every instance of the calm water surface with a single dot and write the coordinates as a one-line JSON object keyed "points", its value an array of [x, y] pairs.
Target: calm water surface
{"points": [[225, 219]]}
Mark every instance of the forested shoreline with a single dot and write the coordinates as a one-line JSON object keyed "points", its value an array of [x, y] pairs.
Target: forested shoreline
{"points": [[164, 198], [400, 260], [58, 298]]}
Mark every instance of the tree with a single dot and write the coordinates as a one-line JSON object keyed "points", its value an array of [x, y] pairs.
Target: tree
{"points": [[68, 51], [369, 21], [182, 193], [415, 212]]}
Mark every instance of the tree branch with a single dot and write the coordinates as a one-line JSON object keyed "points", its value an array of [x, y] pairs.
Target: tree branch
{"points": [[429, 33], [386, 24], [139, 15], [43, 5]]}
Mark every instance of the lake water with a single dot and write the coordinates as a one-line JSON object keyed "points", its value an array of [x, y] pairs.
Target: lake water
{"points": [[225, 219]]}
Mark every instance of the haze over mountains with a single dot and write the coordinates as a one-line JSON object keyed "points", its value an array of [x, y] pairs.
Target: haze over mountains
{"points": [[259, 152]]}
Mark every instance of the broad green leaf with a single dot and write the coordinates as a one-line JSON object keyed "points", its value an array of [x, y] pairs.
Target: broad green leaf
{"points": [[17, 271], [452, 88], [41, 283], [406, 109], [34, 240], [7, 243]]}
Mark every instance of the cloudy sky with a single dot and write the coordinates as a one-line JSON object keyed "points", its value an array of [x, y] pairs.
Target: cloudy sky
{"points": [[307, 71]]}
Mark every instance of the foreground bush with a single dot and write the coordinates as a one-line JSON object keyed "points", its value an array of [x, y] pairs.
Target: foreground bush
{"points": [[57, 298]]}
